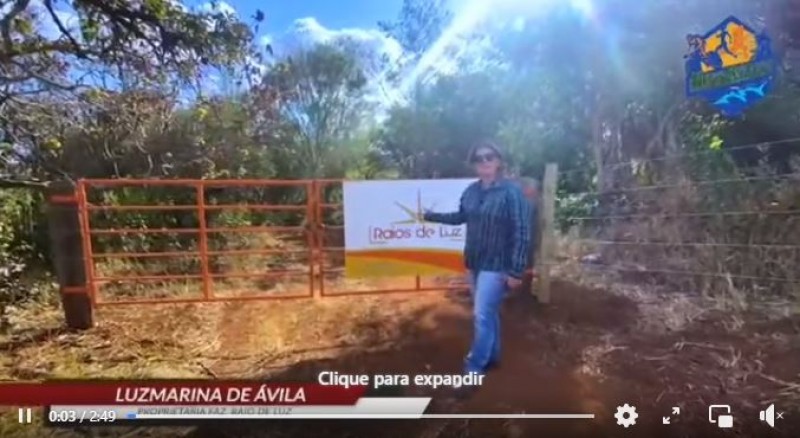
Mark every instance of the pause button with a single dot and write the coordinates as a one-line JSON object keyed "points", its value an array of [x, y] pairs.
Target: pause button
{"points": [[25, 416]]}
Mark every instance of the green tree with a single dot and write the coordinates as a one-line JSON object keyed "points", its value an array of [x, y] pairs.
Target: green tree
{"points": [[430, 137], [52, 82], [321, 107]]}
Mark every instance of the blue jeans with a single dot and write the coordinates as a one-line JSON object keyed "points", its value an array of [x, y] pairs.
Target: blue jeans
{"points": [[488, 289]]}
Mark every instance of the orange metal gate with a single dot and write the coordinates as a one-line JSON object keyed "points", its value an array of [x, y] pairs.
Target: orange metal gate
{"points": [[307, 254]]}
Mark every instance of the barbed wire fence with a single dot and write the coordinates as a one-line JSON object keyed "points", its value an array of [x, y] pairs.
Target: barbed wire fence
{"points": [[712, 222]]}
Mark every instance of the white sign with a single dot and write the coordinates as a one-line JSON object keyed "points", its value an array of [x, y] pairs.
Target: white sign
{"points": [[384, 232]]}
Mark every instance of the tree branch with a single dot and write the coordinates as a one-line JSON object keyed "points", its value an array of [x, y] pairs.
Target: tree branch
{"points": [[126, 18], [31, 49], [13, 183], [47, 81], [48, 4], [5, 23]]}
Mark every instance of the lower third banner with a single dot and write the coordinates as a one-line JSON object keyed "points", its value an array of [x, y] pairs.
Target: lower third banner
{"points": [[364, 408], [118, 402]]}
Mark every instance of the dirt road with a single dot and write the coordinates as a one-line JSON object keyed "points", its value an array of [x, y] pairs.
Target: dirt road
{"points": [[587, 352]]}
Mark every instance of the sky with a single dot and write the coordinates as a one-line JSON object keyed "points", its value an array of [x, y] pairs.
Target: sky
{"points": [[280, 14], [290, 25]]}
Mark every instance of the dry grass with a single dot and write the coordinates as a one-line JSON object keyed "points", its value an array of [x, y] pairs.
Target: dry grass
{"points": [[287, 255], [593, 357], [164, 339], [161, 342], [733, 350], [657, 236], [731, 323], [261, 339], [249, 339], [740, 234]]}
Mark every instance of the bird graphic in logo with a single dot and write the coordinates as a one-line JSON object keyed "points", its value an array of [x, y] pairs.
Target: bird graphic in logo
{"points": [[414, 215], [740, 94]]}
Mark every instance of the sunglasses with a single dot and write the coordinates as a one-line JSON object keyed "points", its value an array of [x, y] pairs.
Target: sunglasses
{"points": [[484, 158]]}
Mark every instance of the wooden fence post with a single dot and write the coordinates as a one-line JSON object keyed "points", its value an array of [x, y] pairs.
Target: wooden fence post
{"points": [[63, 217], [547, 238], [531, 190]]}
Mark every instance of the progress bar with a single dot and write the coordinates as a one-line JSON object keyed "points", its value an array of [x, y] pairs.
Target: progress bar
{"points": [[508, 416], [333, 416]]}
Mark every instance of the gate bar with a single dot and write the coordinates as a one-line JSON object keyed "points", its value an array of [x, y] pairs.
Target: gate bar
{"points": [[203, 239]]}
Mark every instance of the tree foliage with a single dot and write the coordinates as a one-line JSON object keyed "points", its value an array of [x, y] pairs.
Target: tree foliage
{"points": [[110, 90], [322, 106], [418, 25], [100, 55]]}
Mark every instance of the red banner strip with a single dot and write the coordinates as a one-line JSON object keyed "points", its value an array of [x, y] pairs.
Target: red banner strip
{"points": [[206, 392]]}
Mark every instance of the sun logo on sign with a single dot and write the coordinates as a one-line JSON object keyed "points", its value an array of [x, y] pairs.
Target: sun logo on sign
{"points": [[414, 214]]}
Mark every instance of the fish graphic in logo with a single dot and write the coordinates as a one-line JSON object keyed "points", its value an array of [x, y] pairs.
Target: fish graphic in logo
{"points": [[414, 214], [731, 66]]}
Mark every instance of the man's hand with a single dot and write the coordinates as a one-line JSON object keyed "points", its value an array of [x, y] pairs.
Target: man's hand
{"points": [[513, 283]]}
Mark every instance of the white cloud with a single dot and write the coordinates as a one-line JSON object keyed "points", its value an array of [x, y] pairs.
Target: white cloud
{"points": [[462, 47], [305, 32], [179, 5], [219, 6], [378, 52]]}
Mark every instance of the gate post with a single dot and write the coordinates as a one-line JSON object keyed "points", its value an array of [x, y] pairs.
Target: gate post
{"points": [[531, 191], [316, 257], [547, 237], [64, 224]]}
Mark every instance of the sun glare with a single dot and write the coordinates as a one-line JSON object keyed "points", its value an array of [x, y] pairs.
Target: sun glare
{"points": [[585, 7], [469, 14]]}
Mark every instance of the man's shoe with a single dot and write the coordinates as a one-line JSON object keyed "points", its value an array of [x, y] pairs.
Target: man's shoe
{"points": [[463, 392]]}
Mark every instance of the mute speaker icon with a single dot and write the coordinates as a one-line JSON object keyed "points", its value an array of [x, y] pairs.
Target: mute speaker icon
{"points": [[768, 415]]}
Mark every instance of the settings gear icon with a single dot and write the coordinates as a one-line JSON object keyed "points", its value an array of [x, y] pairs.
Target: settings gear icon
{"points": [[626, 415]]}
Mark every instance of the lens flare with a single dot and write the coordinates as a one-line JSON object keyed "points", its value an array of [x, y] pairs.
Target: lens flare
{"points": [[468, 16]]}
